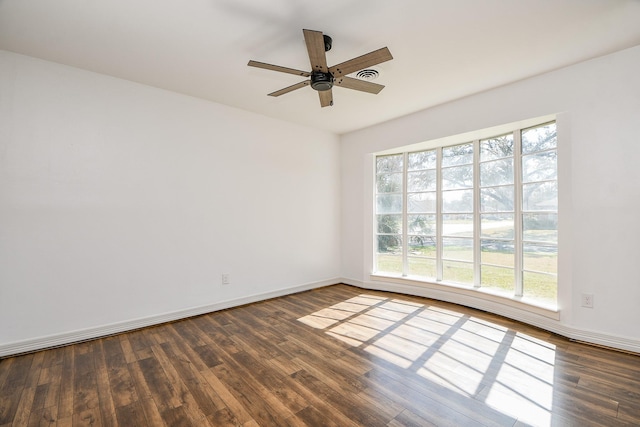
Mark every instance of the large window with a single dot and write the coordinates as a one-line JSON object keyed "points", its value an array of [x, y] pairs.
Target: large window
{"points": [[482, 214]]}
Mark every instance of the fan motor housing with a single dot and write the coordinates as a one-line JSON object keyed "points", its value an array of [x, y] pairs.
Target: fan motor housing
{"points": [[321, 81]]}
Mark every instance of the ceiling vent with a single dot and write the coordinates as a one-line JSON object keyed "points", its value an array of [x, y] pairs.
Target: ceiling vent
{"points": [[368, 74]]}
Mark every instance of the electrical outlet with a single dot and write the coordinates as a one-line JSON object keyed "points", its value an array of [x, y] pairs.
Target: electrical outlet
{"points": [[226, 279], [587, 300]]}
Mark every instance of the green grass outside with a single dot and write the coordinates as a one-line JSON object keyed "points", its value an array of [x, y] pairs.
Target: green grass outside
{"points": [[540, 287]]}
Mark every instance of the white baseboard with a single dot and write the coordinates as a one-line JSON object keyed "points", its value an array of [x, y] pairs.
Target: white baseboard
{"points": [[57, 340], [531, 315]]}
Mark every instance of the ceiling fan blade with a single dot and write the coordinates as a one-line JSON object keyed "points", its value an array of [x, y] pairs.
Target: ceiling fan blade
{"points": [[315, 48], [361, 85], [326, 98], [290, 88], [361, 62], [278, 68]]}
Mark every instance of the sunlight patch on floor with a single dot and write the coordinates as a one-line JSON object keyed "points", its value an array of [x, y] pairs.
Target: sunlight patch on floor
{"points": [[511, 372]]}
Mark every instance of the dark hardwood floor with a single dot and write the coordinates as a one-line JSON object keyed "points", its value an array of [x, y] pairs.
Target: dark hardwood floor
{"points": [[336, 356]]}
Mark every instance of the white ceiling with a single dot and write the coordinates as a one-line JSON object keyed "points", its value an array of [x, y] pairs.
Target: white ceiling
{"points": [[443, 49]]}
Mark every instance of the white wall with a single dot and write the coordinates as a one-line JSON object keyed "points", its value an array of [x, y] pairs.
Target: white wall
{"points": [[120, 201], [598, 107]]}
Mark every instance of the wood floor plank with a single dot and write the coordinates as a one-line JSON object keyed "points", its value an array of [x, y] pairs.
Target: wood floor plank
{"points": [[131, 415], [187, 402], [50, 374], [53, 357], [440, 410], [11, 390], [184, 347], [232, 405], [123, 391], [271, 381], [344, 403], [334, 356], [139, 381], [207, 356], [85, 397], [629, 411], [313, 417], [6, 366], [409, 419], [151, 413], [127, 349], [40, 397], [223, 418], [150, 408], [140, 340], [206, 398], [176, 417], [105, 393], [53, 391], [35, 370], [253, 398], [215, 333], [44, 417], [317, 401], [330, 369], [23, 411], [158, 385]]}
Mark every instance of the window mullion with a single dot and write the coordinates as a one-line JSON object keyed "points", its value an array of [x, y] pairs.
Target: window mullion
{"points": [[405, 214], [439, 214], [476, 214], [517, 183]]}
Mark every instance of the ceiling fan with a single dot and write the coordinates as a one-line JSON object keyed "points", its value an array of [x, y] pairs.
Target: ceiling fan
{"points": [[321, 77]]}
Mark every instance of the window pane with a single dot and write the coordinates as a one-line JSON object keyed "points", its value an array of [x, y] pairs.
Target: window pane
{"points": [[421, 181], [390, 224], [422, 160], [410, 187], [496, 199], [458, 249], [541, 196], [457, 155], [421, 202], [457, 177], [389, 183], [389, 203], [389, 263], [386, 164], [498, 279], [498, 226], [540, 167], [422, 224], [497, 172], [457, 225], [423, 267], [541, 287], [540, 227], [457, 201], [459, 272], [497, 252], [422, 246], [496, 148], [541, 258], [539, 138], [390, 244]]}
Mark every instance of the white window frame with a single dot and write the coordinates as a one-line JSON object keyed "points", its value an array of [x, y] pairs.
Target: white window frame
{"points": [[517, 212]]}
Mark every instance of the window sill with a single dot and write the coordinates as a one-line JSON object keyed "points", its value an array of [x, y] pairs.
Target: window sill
{"points": [[468, 295]]}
